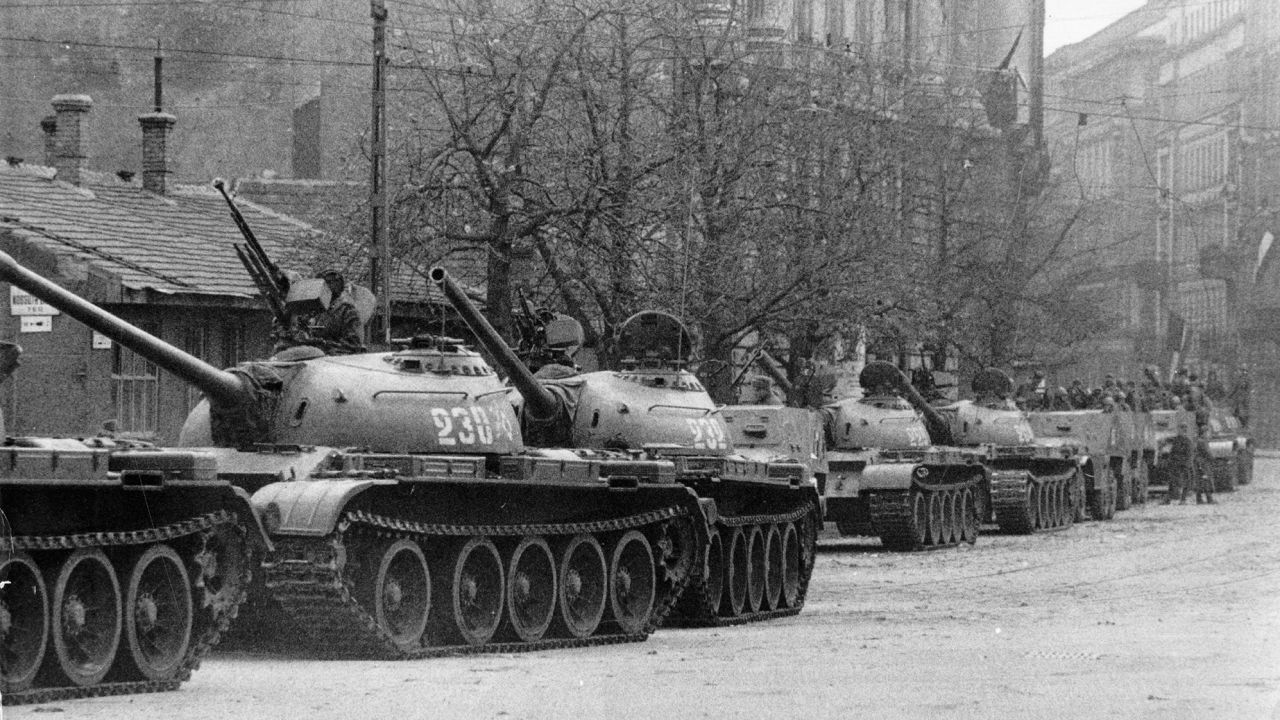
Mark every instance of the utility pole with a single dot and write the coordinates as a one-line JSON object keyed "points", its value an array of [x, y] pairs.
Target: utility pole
{"points": [[380, 266]]}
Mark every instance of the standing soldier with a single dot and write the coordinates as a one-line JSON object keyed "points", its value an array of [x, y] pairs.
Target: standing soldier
{"points": [[1239, 395], [1203, 468], [1182, 457]]}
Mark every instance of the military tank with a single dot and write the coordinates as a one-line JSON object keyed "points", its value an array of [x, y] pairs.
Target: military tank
{"points": [[1229, 448], [895, 473], [1028, 485], [406, 516], [120, 566], [882, 476], [1113, 442], [760, 518]]}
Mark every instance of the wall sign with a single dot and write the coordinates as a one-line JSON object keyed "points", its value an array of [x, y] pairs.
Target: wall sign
{"points": [[36, 323], [24, 303]]}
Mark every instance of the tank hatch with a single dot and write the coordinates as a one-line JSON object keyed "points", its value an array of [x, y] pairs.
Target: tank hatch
{"points": [[654, 339]]}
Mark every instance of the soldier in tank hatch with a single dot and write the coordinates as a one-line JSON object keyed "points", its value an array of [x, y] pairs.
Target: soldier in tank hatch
{"points": [[338, 326]]}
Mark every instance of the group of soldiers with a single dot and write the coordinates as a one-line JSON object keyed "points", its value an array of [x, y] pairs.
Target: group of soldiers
{"points": [[1188, 456], [1185, 391]]}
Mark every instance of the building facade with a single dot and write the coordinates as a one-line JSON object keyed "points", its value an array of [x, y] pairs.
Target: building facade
{"points": [[1168, 120]]}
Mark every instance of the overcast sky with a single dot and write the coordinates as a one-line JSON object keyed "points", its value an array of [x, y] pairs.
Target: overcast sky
{"points": [[1069, 21]]}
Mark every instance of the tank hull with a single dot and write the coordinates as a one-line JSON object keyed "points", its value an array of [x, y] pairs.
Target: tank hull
{"points": [[406, 556], [94, 539], [911, 500]]}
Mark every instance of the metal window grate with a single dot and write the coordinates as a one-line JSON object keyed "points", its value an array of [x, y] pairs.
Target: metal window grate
{"points": [[135, 390]]}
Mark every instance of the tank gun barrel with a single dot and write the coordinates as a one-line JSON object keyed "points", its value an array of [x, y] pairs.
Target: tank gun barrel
{"points": [[221, 386], [939, 429], [540, 401], [774, 369]]}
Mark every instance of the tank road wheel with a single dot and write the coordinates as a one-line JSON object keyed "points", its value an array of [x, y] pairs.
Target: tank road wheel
{"points": [[944, 524], [1044, 501], [714, 570], [955, 518], [158, 613], [736, 578], [790, 565], [531, 589], [757, 567], [972, 521], [920, 518], [399, 593], [581, 591], [222, 571], [935, 519], [632, 583], [773, 567], [24, 622], [86, 616], [477, 590]]}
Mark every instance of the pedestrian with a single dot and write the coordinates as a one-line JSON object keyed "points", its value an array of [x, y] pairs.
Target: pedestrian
{"points": [[1204, 468], [1181, 459]]}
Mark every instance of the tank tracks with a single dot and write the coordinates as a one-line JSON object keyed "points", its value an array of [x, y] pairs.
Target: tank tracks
{"points": [[1024, 503], [926, 517], [214, 608], [311, 580], [744, 583]]}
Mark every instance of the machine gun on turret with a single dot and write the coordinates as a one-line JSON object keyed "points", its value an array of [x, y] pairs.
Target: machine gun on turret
{"points": [[546, 337], [272, 282]]}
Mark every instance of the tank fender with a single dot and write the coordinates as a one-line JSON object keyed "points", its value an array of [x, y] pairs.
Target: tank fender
{"points": [[261, 537], [307, 507]]}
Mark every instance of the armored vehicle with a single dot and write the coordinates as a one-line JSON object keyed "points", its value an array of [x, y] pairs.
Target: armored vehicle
{"points": [[120, 566], [407, 517], [885, 476], [760, 518], [1229, 447], [1028, 485], [1114, 445]]}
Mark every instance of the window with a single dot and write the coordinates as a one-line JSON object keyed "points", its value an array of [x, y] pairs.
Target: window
{"points": [[835, 23], [233, 343], [804, 21], [135, 389]]}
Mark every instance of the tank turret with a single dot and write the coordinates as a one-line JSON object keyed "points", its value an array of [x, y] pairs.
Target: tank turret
{"points": [[652, 401], [883, 374], [302, 396]]}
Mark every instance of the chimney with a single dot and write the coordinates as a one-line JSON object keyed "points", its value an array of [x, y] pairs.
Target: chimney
{"points": [[70, 109], [155, 163], [50, 127]]}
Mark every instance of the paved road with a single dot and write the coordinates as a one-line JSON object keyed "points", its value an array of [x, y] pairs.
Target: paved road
{"points": [[1167, 612]]}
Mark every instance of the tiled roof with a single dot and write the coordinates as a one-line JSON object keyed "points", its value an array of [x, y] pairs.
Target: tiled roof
{"points": [[181, 243], [178, 243]]}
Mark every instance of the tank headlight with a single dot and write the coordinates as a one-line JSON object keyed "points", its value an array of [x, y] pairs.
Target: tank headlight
{"points": [[922, 472]]}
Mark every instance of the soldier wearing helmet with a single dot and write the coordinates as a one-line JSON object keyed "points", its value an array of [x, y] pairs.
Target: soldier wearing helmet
{"points": [[337, 328]]}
